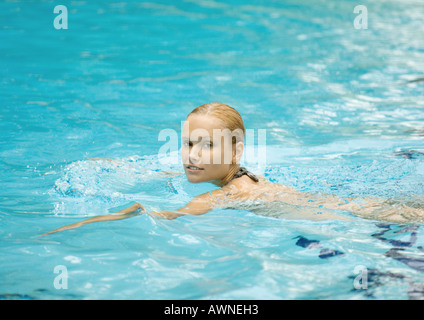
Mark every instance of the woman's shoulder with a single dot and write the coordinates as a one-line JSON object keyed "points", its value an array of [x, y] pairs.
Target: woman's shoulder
{"points": [[232, 188]]}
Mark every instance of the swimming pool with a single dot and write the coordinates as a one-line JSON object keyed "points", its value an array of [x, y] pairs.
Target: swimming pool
{"points": [[340, 117]]}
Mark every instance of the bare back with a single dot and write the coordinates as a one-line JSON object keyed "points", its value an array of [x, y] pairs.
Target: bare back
{"points": [[273, 199]]}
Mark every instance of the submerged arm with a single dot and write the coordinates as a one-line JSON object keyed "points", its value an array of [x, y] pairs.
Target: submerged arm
{"points": [[123, 214], [199, 205]]}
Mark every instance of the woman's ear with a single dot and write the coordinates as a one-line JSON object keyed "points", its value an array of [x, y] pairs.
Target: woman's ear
{"points": [[238, 152]]}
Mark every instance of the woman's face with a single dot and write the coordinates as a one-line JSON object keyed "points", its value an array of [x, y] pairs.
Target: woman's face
{"points": [[207, 151]]}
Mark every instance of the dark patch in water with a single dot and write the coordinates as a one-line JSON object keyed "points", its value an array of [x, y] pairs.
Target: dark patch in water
{"points": [[328, 253], [412, 262], [324, 253], [416, 80], [306, 243], [15, 296], [409, 154]]}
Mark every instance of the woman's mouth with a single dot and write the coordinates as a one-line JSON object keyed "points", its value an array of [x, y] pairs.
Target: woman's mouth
{"points": [[193, 168]]}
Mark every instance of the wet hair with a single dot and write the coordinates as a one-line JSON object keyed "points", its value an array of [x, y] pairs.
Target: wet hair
{"points": [[229, 117]]}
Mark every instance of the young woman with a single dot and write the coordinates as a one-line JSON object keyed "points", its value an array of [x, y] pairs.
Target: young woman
{"points": [[213, 143]]}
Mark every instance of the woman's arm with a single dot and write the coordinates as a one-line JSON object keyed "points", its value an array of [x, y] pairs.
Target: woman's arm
{"points": [[199, 205], [123, 214]]}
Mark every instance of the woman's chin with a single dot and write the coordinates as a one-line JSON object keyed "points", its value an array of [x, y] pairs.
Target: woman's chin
{"points": [[194, 179]]}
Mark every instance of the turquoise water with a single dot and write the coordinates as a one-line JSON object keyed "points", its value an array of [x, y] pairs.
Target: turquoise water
{"points": [[339, 113]]}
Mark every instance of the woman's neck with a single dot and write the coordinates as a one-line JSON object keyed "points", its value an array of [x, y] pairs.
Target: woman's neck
{"points": [[228, 177]]}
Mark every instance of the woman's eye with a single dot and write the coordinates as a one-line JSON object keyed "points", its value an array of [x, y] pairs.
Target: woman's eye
{"points": [[208, 145]]}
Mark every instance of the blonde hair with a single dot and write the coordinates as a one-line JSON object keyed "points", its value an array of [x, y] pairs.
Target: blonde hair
{"points": [[226, 114]]}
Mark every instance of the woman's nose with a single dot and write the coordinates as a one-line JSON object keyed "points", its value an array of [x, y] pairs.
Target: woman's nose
{"points": [[195, 155]]}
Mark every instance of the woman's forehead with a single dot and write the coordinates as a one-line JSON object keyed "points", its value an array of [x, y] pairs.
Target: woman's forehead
{"points": [[196, 122]]}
